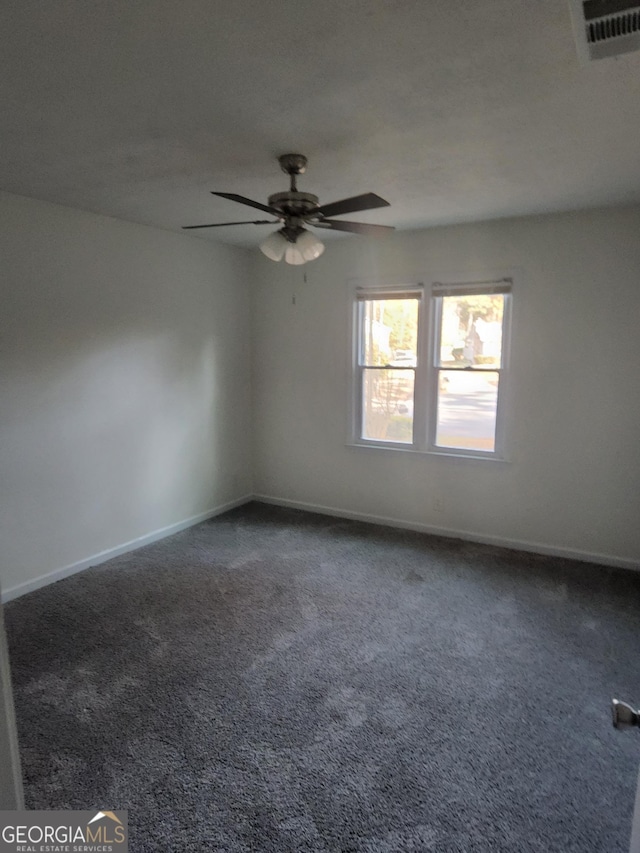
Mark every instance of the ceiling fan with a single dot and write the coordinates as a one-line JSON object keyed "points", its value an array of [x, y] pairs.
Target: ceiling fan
{"points": [[295, 210]]}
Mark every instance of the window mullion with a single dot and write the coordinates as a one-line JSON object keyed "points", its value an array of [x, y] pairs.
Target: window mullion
{"points": [[503, 377], [432, 376], [359, 402], [420, 373]]}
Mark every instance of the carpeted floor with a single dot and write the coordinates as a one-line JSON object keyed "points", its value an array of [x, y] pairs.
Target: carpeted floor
{"points": [[278, 681]]}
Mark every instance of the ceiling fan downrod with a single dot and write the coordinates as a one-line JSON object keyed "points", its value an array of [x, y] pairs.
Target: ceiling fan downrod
{"points": [[293, 165]]}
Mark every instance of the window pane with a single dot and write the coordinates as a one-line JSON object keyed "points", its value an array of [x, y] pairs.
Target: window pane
{"points": [[467, 404], [471, 330], [389, 332], [387, 405]]}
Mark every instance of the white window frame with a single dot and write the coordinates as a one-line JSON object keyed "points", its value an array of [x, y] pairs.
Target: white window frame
{"points": [[427, 369]]}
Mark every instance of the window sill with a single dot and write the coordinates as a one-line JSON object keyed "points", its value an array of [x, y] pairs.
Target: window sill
{"points": [[445, 452]]}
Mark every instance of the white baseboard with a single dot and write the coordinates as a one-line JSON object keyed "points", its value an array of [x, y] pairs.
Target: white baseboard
{"points": [[132, 545], [336, 512], [469, 536]]}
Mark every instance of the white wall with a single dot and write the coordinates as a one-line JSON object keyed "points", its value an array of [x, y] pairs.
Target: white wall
{"points": [[571, 485], [124, 384]]}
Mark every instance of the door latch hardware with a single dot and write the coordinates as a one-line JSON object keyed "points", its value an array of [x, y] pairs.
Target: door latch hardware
{"points": [[624, 716]]}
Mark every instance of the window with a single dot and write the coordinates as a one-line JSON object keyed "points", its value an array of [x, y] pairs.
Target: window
{"points": [[430, 367]]}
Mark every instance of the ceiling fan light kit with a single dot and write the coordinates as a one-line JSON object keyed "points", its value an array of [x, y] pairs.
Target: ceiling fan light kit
{"points": [[307, 246], [296, 249], [274, 246], [293, 255], [294, 210]]}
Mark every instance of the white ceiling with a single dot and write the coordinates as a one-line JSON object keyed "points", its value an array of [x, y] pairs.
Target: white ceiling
{"points": [[453, 110]]}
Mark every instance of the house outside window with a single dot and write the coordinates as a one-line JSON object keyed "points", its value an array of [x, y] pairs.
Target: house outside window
{"points": [[430, 367]]}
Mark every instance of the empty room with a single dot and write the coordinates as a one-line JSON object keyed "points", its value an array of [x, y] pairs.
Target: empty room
{"points": [[319, 421]]}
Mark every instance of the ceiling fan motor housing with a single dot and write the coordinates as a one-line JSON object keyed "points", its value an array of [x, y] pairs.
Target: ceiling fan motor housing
{"points": [[294, 203]]}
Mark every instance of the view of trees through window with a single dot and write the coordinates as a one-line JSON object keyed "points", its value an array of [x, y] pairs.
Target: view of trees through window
{"points": [[468, 362], [389, 354], [470, 345]]}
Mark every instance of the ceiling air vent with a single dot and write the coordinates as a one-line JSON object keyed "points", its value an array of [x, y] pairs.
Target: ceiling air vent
{"points": [[605, 27]]}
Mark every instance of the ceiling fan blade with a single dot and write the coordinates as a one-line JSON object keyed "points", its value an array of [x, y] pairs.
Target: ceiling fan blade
{"points": [[368, 201], [354, 227], [220, 224], [250, 202]]}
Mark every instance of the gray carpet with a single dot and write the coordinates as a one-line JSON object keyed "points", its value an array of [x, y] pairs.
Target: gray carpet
{"points": [[273, 680]]}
